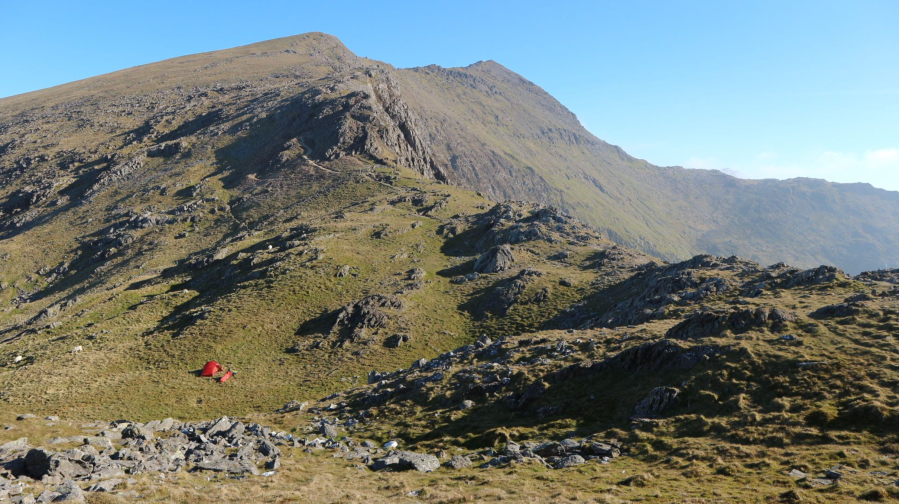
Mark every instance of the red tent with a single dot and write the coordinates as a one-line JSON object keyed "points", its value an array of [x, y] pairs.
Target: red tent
{"points": [[211, 368]]}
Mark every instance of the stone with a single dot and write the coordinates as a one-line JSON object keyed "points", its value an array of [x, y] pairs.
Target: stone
{"points": [[458, 462], [605, 450], [13, 446], [40, 463], [397, 340], [466, 404], [99, 442], [658, 401], [105, 486], [404, 460], [135, 431], [220, 427], [550, 449], [293, 406], [495, 260], [228, 466], [569, 461], [797, 474], [69, 492], [329, 430]]}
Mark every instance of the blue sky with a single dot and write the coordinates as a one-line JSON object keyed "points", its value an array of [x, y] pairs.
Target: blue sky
{"points": [[757, 88]]}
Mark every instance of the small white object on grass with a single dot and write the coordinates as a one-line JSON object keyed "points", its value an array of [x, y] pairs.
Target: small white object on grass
{"points": [[77, 349], [390, 444], [18, 359]]}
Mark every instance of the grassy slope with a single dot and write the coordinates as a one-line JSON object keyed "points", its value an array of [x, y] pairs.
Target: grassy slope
{"points": [[146, 319]]}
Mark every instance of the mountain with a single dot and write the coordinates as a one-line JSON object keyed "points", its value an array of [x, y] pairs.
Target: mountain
{"points": [[482, 127], [329, 228]]}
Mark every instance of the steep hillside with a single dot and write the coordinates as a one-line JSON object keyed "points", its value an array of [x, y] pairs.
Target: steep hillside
{"points": [[507, 137], [482, 127]]}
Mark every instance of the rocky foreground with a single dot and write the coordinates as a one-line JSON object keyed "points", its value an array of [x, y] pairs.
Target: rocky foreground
{"points": [[108, 456]]}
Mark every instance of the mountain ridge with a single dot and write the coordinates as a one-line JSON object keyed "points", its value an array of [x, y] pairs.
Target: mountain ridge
{"points": [[467, 125]]}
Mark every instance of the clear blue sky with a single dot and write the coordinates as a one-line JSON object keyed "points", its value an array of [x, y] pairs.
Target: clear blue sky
{"points": [[763, 89]]}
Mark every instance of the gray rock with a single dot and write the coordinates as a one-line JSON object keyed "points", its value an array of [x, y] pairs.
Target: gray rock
{"points": [[14, 446], [228, 466], [220, 427], [105, 486], [404, 460], [98, 442], [397, 340], [47, 496], [69, 492], [458, 462], [605, 450], [40, 463], [796, 473], [495, 260], [135, 431], [292, 406], [569, 461], [466, 404], [329, 430], [550, 449]]}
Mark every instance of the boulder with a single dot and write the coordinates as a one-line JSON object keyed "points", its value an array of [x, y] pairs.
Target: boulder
{"points": [[69, 492], [404, 460], [495, 260], [220, 427], [458, 462], [14, 446], [569, 461], [605, 450], [40, 463], [135, 431], [329, 431]]}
